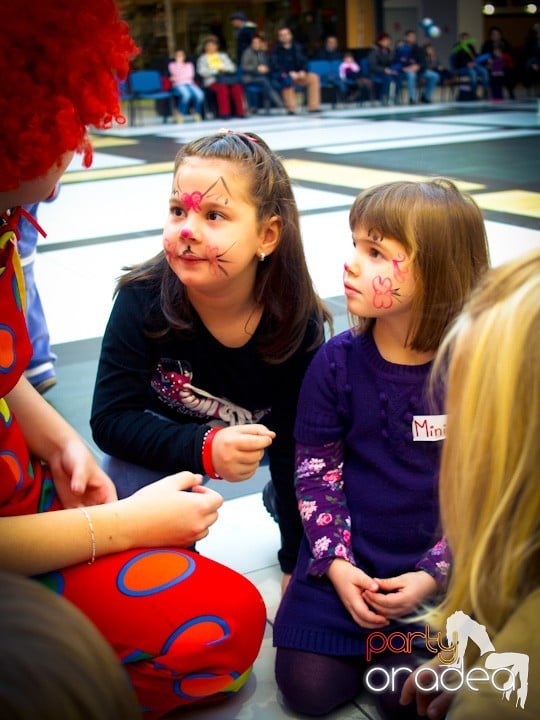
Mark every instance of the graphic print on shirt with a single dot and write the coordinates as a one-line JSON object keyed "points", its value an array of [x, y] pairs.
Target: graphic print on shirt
{"points": [[172, 383]]}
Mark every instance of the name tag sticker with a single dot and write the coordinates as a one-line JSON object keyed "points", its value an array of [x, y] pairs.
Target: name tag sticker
{"points": [[429, 428]]}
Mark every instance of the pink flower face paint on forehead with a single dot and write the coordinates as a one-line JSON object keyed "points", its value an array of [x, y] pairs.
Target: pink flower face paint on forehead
{"points": [[193, 200]]}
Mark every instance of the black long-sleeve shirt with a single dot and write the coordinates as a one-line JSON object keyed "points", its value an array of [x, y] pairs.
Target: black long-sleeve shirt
{"points": [[154, 398], [283, 60]]}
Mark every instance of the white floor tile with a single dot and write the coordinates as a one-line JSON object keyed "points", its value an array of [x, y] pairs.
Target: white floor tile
{"points": [[244, 537]]}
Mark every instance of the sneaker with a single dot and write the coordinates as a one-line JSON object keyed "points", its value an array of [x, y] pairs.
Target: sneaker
{"points": [[269, 500], [197, 117], [45, 385]]}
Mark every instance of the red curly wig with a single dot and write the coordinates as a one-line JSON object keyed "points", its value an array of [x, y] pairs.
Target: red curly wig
{"points": [[60, 63]]}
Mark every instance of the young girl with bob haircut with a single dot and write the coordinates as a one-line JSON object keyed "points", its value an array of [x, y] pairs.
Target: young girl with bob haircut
{"points": [[368, 443], [211, 338], [124, 563], [489, 487]]}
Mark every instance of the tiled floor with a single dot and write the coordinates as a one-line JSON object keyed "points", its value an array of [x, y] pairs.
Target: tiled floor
{"points": [[111, 216]]}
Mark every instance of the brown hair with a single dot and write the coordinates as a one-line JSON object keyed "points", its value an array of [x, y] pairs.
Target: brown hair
{"points": [[442, 230], [55, 663], [283, 286]]}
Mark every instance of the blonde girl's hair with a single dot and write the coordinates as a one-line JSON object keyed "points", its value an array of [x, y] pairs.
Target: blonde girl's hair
{"points": [[443, 232], [283, 285], [490, 472]]}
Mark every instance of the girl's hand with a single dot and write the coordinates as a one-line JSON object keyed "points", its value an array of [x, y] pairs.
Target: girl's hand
{"points": [[351, 583], [238, 450], [163, 514], [78, 479], [401, 595]]}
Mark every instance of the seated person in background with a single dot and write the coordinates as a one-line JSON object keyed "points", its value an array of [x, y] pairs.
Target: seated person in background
{"points": [[410, 62], [182, 74], [496, 42], [496, 74], [382, 73], [288, 65], [432, 63], [219, 75], [331, 52], [490, 499], [350, 73], [256, 71], [464, 61]]}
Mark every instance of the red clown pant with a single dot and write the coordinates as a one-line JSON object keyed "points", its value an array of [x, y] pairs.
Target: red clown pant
{"points": [[185, 628]]}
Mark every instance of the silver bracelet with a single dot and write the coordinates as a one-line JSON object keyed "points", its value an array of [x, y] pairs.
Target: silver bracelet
{"points": [[92, 535]]}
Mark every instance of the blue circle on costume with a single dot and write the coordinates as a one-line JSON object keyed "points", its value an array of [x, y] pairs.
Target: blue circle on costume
{"points": [[130, 582]]}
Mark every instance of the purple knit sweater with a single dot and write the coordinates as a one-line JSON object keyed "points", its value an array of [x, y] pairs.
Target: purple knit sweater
{"points": [[366, 489]]}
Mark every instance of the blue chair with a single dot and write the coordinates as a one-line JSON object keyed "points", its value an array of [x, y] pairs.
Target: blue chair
{"points": [[146, 85], [328, 72]]}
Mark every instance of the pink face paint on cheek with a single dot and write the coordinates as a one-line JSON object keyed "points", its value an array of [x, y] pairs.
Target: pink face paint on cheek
{"points": [[168, 246], [383, 293]]}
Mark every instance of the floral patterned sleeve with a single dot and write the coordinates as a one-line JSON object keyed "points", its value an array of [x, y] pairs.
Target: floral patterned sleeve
{"points": [[322, 504], [437, 563]]}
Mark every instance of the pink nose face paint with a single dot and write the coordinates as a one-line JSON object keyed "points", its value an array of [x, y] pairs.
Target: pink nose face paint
{"points": [[185, 233], [346, 267]]}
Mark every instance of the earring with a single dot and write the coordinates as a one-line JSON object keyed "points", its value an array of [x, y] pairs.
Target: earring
{"points": [[261, 257]]}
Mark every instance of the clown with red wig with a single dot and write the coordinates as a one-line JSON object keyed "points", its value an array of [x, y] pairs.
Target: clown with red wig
{"points": [[185, 628]]}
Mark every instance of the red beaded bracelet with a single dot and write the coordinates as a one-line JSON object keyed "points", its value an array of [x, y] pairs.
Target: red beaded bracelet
{"points": [[207, 453]]}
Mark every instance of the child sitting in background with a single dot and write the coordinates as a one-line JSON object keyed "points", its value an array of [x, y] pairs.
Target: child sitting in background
{"points": [[182, 74], [351, 74]]}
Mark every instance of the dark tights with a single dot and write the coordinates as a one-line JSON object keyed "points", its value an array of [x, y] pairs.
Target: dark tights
{"points": [[315, 685]]}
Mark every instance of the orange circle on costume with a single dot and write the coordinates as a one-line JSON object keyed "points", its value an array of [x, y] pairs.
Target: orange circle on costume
{"points": [[7, 348], [201, 630], [200, 686], [14, 467], [152, 571]]}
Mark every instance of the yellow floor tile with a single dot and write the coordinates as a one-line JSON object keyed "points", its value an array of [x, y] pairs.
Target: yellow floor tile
{"points": [[355, 177], [518, 202], [118, 172]]}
